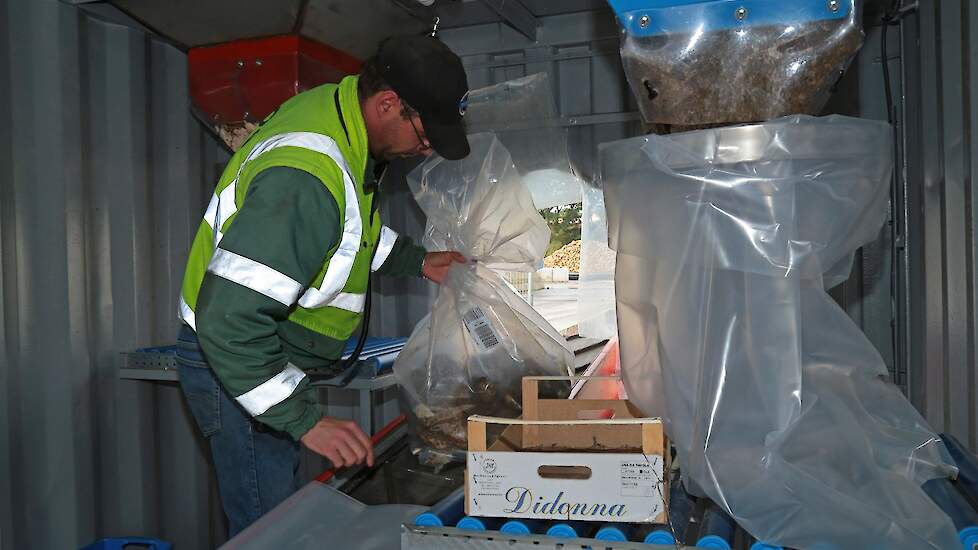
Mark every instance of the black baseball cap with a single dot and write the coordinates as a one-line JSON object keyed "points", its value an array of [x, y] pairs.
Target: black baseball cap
{"points": [[430, 78]]}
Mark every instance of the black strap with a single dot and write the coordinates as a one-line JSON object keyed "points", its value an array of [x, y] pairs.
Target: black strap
{"points": [[339, 113], [350, 365], [380, 171], [351, 361]]}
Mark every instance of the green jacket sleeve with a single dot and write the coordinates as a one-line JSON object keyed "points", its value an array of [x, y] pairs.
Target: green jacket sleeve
{"points": [[405, 259], [276, 246]]}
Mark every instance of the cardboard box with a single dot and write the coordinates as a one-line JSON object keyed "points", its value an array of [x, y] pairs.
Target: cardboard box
{"points": [[569, 459]]}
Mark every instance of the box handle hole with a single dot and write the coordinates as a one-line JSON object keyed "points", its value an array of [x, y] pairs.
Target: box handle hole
{"points": [[564, 472]]}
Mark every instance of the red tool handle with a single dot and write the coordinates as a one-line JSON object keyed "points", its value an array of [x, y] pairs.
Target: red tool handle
{"points": [[377, 438]]}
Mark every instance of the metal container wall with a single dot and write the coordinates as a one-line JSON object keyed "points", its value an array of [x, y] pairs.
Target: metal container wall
{"points": [[940, 264], [103, 178]]}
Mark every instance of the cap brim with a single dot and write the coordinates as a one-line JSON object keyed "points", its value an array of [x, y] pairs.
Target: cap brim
{"points": [[447, 139]]}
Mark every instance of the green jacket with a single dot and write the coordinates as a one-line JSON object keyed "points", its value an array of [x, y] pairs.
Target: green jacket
{"points": [[278, 287]]}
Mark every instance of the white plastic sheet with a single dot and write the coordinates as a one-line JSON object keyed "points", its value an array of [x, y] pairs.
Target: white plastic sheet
{"points": [[523, 115], [470, 354], [318, 516], [551, 187], [777, 403], [596, 290]]}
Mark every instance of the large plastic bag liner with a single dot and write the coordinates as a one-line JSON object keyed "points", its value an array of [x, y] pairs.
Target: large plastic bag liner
{"points": [[523, 115], [470, 354], [696, 62], [596, 290], [318, 516], [778, 405]]}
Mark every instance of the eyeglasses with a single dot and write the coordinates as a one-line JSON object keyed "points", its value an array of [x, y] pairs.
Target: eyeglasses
{"points": [[423, 143]]}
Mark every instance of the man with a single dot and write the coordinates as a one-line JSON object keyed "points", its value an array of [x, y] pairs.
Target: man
{"points": [[277, 275]]}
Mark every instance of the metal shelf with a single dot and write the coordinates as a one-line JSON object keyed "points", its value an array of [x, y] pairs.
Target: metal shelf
{"points": [[152, 375], [450, 538], [170, 375], [159, 365]]}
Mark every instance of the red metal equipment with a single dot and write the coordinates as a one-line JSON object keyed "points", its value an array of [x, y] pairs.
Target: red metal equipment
{"points": [[246, 80], [606, 364]]}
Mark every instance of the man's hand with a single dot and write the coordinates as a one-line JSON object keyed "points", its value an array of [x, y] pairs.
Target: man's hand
{"points": [[436, 264], [341, 441]]}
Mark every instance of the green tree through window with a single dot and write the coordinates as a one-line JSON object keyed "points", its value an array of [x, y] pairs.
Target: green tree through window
{"points": [[565, 224]]}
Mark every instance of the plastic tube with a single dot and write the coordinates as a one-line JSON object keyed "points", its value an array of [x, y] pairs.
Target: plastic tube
{"points": [[659, 536], [967, 466], [969, 537], [717, 529], [652, 533], [472, 523], [570, 529], [957, 507], [447, 512], [620, 532], [612, 533], [523, 527]]}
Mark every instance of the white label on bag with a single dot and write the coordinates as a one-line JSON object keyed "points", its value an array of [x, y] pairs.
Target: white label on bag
{"points": [[480, 329]]}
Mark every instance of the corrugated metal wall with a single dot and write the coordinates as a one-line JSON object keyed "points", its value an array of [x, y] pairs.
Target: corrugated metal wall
{"points": [[941, 111], [103, 177]]}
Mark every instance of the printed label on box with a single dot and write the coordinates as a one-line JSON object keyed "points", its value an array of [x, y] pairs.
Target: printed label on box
{"points": [[640, 479]]}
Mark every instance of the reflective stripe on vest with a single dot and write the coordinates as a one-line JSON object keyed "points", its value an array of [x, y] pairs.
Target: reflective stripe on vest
{"points": [[271, 392], [187, 314], [355, 302], [384, 247], [349, 301], [255, 275], [266, 280]]}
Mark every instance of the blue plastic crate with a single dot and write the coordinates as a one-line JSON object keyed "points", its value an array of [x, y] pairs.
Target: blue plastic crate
{"points": [[129, 543]]}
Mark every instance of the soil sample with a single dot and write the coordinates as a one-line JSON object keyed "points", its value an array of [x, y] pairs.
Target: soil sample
{"points": [[743, 74], [442, 424]]}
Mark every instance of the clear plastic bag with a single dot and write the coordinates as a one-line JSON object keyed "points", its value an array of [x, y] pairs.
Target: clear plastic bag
{"points": [[777, 403], [596, 290], [470, 354], [715, 61], [550, 187], [523, 115]]}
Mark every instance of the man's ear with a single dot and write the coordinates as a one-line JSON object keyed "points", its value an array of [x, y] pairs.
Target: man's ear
{"points": [[387, 102]]}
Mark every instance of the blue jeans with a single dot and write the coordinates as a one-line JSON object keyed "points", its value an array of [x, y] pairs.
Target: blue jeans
{"points": [[256, 466]]}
